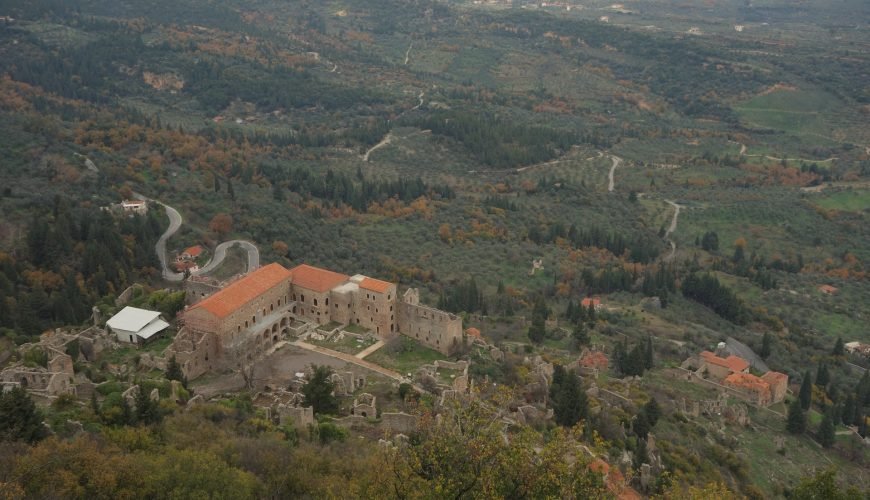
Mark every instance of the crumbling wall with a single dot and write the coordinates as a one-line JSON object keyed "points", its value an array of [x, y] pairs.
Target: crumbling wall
{"points": [[400, 422]]}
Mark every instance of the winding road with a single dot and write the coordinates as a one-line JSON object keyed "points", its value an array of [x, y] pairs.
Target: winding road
{"points": [[220, 252], [672, 228], [616, 161]]}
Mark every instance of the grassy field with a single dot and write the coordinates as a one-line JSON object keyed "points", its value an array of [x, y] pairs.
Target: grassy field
{"points": [[848, 200], [405, 356]]}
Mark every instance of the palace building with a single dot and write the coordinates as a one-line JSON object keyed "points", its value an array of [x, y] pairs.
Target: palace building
{"points": [[243, 320]]}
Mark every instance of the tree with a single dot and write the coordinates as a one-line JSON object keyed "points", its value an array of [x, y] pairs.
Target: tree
{"points": [[580, 335], [826, 435], [648, 353], [653, 411], [147, 410], [20, 420], [796, 422], [173, 370], [318, 391], [823, 485], [641, 455], [570, 404], [806, 393], [839, 348], [640, 425], [822, 375], [222, 224], [765, 346]]}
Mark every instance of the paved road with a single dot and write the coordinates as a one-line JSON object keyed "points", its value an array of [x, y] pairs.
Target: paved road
{"points": [[220, 252]]}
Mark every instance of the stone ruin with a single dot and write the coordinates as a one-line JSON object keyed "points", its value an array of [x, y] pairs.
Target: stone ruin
{"points": [[428, 375], [364, 406], [285, 406]]}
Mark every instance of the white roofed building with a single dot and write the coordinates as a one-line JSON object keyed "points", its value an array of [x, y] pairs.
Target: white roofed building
{"points": [[136, 326]]}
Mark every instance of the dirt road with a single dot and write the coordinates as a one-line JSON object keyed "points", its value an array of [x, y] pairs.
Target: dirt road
{"points": [[616, 161]]}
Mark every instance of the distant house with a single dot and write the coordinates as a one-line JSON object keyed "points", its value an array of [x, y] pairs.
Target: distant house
{"points": [[190, 253], [594, 302], [722, 367], [472, 332], [136, 326], [594, 359], [828, 289], [765, 390], [139, 207]]}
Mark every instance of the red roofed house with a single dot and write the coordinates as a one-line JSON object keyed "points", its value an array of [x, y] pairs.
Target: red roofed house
{"points": [[594, 359], [828, 289], [719, 368], [595, 302], [191, 252], [472, 332], [310, 289]]}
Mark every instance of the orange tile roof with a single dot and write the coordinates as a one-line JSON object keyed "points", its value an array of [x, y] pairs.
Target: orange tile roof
{"points": [[732, 362], [773, 377], [595, 359], [590, 301], [316, 279], [193, 251], [747, 381], [472, 332], [374, 285], [244, 290], [828, 289]]}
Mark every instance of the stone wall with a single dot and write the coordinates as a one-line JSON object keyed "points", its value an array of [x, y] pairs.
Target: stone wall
{"points": [[399, 422], [437, 329]]}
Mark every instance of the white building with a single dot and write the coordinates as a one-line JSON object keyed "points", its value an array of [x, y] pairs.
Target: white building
{"points": [[135, 206], [136, 326]]}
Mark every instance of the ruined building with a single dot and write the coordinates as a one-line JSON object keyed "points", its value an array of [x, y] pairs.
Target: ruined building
{"points": [[246, 318]]}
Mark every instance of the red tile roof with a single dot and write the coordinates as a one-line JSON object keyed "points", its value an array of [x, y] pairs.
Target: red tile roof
{"points": [[595, 359], [246, 289], [732, 362], [594, 302], [375, 285], [316, 279], [193, 251], [774, 378], [747, 381], [828, 289]]}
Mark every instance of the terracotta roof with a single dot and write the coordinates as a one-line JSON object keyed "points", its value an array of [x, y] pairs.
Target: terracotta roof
{"points": [[472, 332], [316, 279], [244, 290], [732, 362], [590, 301], [595, 359], [375, 285], [828, 289], [193, 251], [747, 381], [773, 377]]}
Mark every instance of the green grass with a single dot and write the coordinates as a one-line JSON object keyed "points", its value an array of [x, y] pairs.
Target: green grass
{"points": [[850, 200], [405, 356], [347, 345]]}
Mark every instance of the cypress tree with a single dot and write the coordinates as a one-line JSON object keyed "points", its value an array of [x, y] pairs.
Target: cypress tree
{"points": [[827, 434], [796, 422], [652, 411], [839, 348], [822, 375], [806, 393], [20, 419], [765, 346], [648, 354]]}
